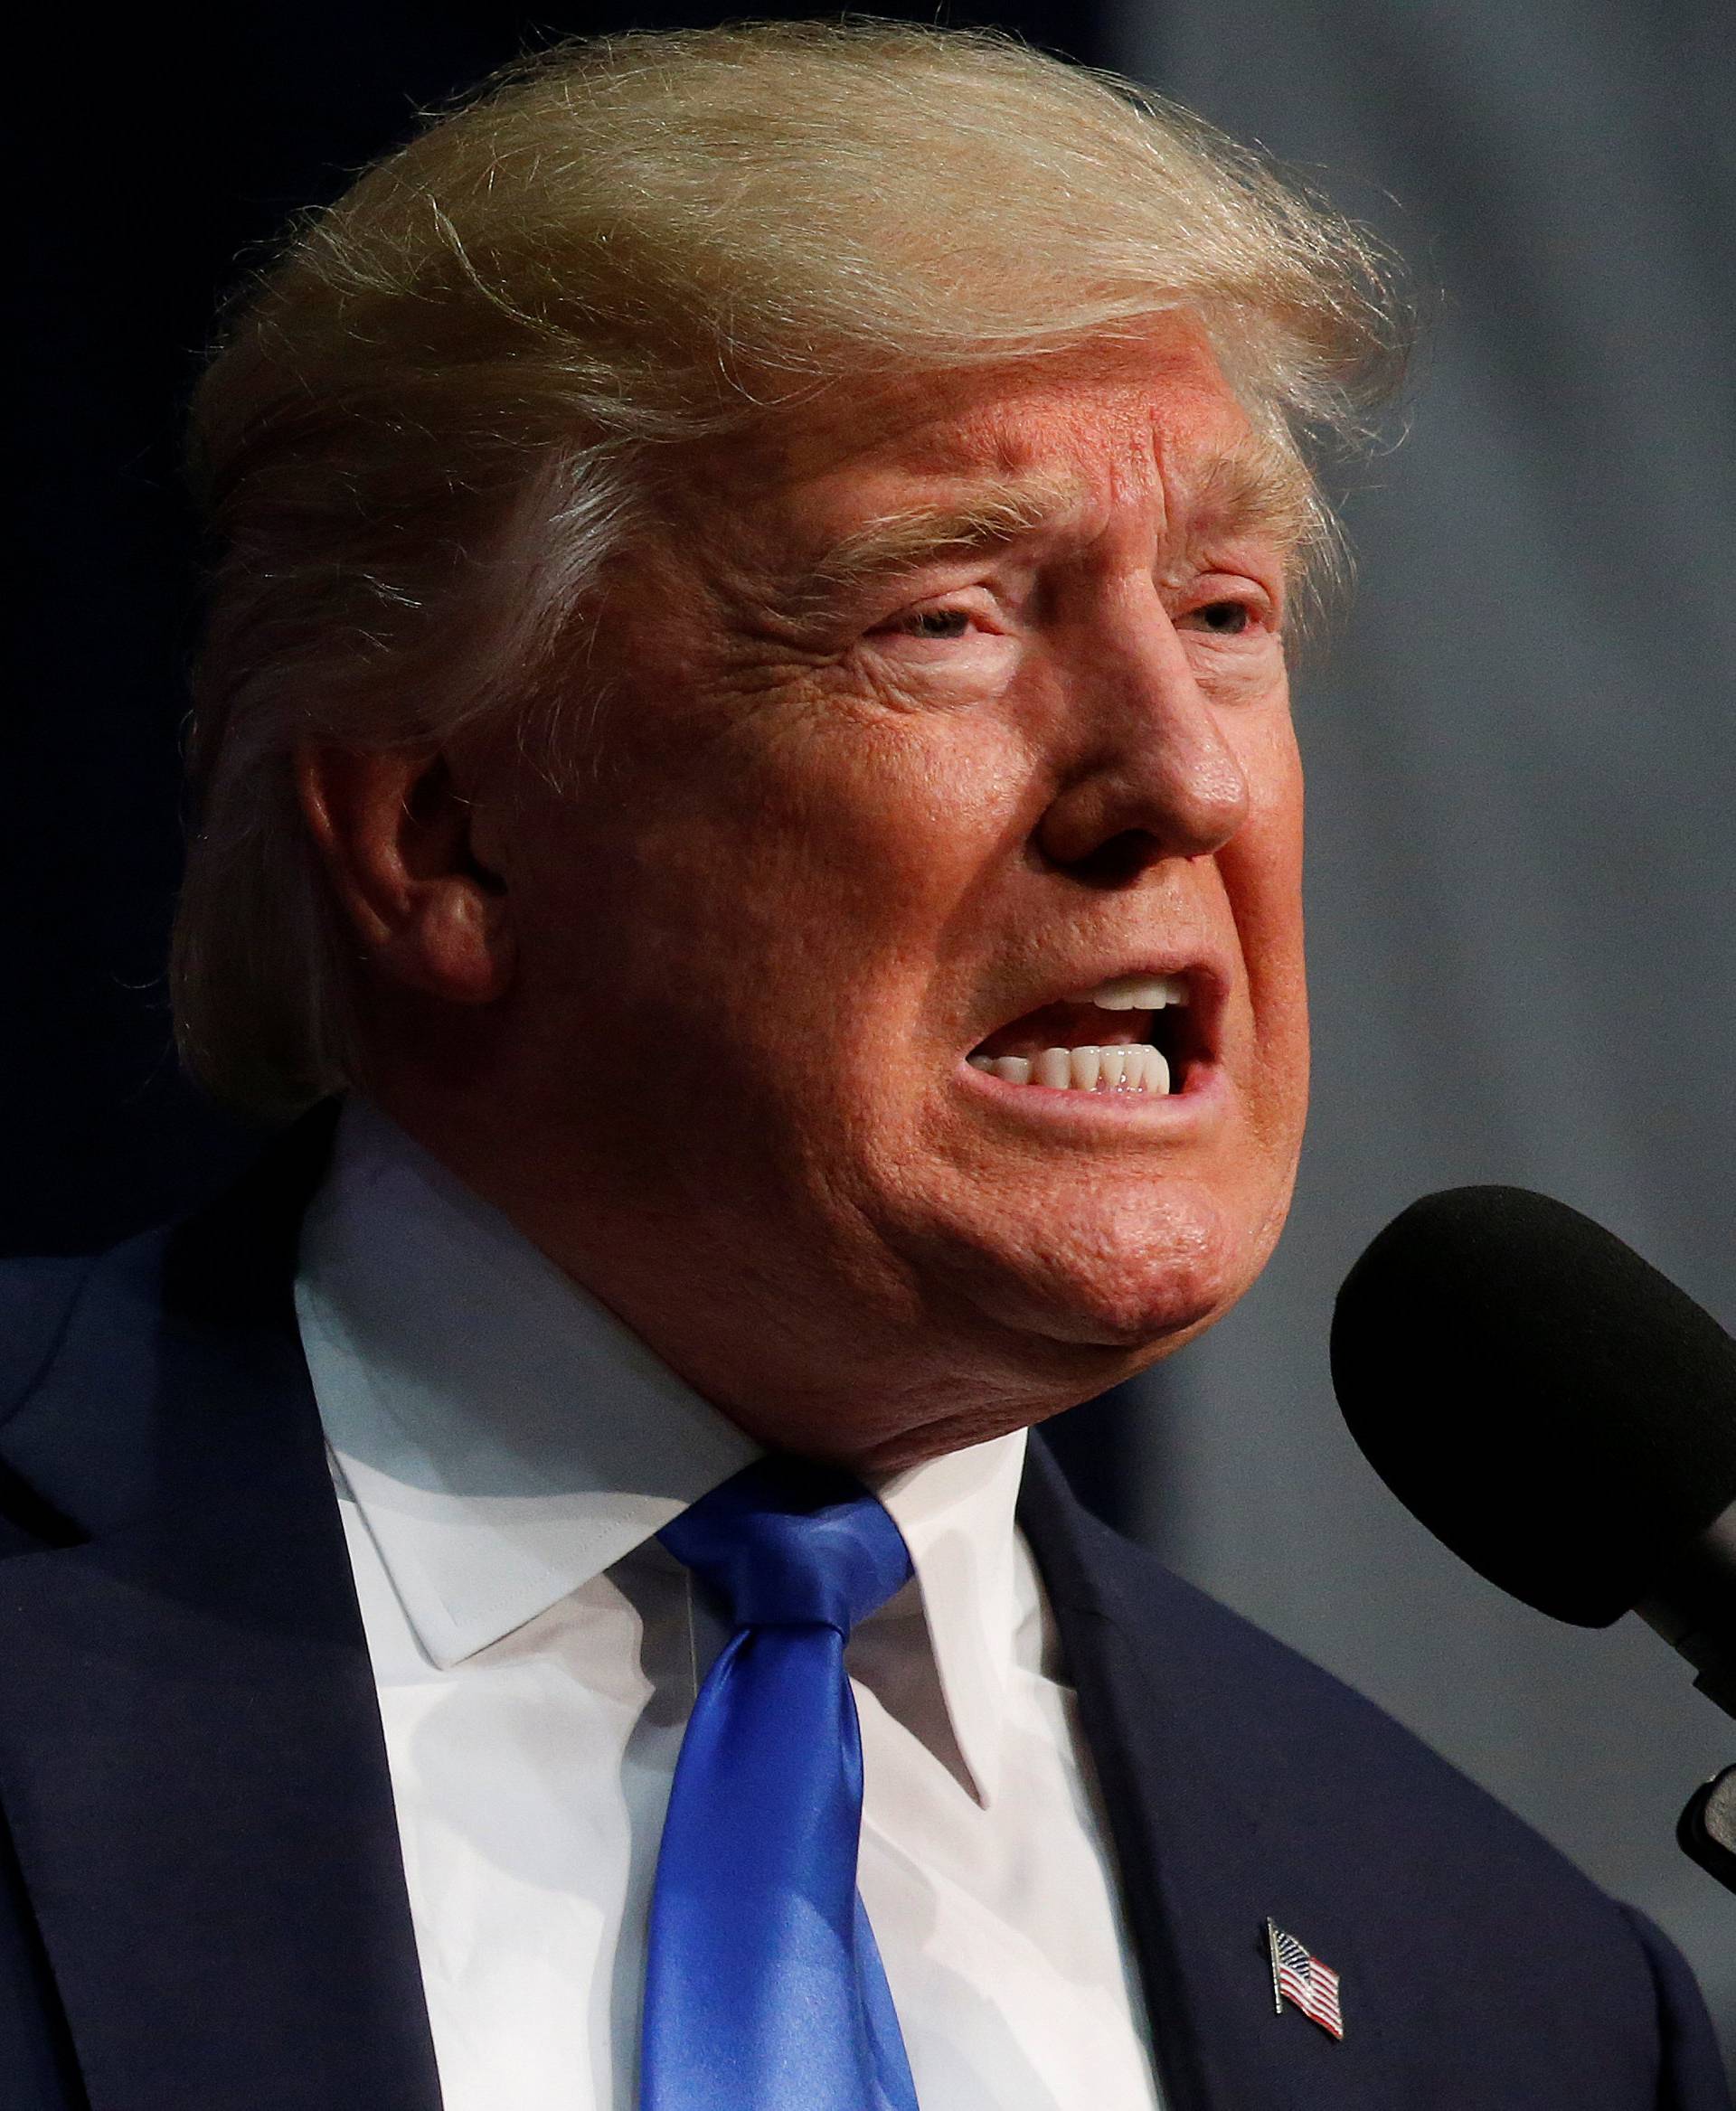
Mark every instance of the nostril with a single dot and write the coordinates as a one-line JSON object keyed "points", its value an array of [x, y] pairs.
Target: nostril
{"points": [[1117, 860]]}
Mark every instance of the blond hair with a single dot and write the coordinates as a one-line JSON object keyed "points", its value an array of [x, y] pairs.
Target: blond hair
{"points": [[432, 419]]}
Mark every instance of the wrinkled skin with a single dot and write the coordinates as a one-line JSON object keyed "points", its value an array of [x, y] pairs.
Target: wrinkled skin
{"points": [[698, 1023]]}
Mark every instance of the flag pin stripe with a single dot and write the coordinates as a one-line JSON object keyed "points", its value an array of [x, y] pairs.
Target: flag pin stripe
{"points": [[1304, 1981]]}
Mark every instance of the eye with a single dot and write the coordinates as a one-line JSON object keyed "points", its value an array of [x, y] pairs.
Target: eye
{"points": [[941, 622], [1223, 618]]}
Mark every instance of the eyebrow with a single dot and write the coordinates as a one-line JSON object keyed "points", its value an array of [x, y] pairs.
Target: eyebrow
{"points": [[990, 518], [1254, 486]]}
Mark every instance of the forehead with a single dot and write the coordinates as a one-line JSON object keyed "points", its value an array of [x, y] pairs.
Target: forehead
{"points": [[1150, 427]]}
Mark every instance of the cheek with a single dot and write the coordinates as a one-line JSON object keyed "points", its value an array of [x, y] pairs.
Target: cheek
{"points": [[1262, 877], [788, 864], [1262, 864], [878, 831]]}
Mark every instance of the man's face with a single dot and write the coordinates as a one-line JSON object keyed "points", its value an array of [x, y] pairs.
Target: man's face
{"points": [[920, 720]]}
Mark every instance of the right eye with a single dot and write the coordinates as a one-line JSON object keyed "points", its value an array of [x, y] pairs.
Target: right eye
{"points": [[935, 623]]}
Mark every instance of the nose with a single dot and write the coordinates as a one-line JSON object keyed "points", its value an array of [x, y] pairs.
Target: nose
{"points": [[1148, 772]]}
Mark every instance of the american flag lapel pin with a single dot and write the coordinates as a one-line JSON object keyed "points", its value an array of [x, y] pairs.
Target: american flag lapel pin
{"points": [[1302, 1980]]}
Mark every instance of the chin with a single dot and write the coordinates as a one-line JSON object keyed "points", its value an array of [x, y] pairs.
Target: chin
{"points": [[1140, 1281]]}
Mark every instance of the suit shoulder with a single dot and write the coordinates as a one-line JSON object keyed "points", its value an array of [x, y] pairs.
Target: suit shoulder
{"points": [[76, 1346], [37, 1299]]}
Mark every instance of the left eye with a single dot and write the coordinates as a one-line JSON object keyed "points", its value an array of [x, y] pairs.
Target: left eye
{"points": [[1224, 618], [941, 622]]}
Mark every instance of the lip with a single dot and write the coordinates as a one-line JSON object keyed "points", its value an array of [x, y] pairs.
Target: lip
{"points": [[1107, 1113]]}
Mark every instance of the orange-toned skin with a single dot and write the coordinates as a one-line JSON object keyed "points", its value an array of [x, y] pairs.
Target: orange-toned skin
{"points": [[698, 1025]]}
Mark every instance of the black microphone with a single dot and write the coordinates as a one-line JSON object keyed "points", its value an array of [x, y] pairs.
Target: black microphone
{"points": [[1554, 1408], [1563, 1417]]}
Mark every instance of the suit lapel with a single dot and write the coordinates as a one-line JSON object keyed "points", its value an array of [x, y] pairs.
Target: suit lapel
{"points": [[191, 1757], [1208, 1841]]}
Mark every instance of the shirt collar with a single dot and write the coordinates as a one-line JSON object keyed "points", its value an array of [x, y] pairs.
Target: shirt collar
{"points": [[506, 1438], [956, 1513]]}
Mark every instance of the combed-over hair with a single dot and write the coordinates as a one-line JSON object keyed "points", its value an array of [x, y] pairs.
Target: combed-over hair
{"points": [[430, 420]]}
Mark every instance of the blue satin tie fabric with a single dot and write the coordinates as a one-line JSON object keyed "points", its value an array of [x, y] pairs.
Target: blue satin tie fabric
{"points": [[764, 1989]]}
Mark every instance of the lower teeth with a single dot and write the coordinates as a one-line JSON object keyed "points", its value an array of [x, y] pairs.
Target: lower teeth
{"points": [[1137, 1069]]}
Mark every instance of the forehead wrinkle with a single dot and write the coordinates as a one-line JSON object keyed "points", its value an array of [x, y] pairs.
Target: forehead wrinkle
{"points": [[989, 517], [1197, 488]]}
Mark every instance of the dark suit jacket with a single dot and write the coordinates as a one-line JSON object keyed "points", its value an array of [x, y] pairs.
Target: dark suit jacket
{"points": [[201, 1901]]}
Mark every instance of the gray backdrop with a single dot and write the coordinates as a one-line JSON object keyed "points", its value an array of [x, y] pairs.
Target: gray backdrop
{"points": [[1522, 760]]}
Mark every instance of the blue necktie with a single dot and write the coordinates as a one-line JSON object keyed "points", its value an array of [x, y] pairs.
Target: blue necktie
{"points": [[764, 1990]]}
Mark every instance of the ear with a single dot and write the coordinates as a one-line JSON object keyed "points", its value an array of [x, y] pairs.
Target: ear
{"points": [[394, 831]]}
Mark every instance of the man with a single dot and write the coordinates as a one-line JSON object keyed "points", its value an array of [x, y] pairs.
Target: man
{"points": [[744, 735]]}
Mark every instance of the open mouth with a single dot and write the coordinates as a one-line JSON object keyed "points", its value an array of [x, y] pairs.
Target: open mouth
{"points": [[1134, 1033]]}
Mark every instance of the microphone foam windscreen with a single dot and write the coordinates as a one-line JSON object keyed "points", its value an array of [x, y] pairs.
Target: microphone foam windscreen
{"points": [[1542, 1399]]}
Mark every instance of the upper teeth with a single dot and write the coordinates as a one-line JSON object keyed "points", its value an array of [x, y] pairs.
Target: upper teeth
{"points": [[1135, 993]]}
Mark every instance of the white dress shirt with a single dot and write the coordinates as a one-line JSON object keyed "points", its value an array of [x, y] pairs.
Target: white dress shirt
{"points": [[504, 1451]]}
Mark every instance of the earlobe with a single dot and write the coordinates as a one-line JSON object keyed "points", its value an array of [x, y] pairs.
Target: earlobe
{"points": [[394, 831]]}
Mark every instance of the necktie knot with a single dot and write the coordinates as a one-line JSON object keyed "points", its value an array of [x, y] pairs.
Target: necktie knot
{"points": [[787, 1543]]}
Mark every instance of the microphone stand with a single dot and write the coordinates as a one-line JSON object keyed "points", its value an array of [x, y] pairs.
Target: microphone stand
{"points": [[1706, 1830], [1692, 1606]]}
